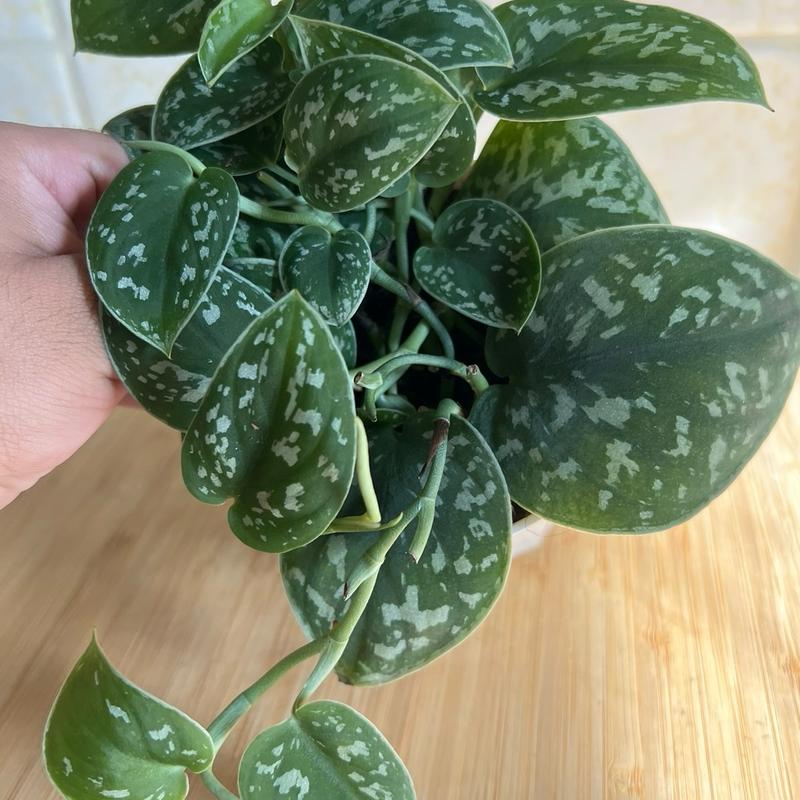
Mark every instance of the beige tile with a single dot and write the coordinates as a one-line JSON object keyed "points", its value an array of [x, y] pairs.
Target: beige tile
{"points": [[112, 85], [35, 88], [731, 168]]}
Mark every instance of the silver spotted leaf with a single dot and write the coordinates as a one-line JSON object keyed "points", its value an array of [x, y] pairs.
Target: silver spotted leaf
{"points": [[483, 262], [345, 338], [233, 29], [330, 270], [135, 123], [578, 59], [190, 113], [565, 178], [245, 152], [276, 430], [448, 33], [453, 151], [325, 750], [354, 125], [655, 363], [144, 28], [172, 388], [417, 611], [155, 240], [106, 738]]}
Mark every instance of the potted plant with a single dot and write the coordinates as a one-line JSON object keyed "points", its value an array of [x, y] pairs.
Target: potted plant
{"points": [[383, 353]]}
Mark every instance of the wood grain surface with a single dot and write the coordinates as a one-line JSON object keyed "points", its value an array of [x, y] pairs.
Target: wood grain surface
{"points": [[662, 666]]}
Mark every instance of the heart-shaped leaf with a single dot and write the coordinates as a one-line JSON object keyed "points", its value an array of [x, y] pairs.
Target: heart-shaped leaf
{"points": [[131, 125], [324, 750], [449, 33], [155, 240], [190, 113], [172, 388], [454, 150], [233, 29], [145, 28], [331, 271], [483, 262], [417, 611], [248, 151], [577, 59], [655, 363], [276, 430], [354, 125], [106, 738], [564, 178]]}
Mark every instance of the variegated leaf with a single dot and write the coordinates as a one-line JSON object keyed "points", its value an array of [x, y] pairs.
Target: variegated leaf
{"points": [[454, 150], [325, 750], [155, 240], [276, 430], [136, 123], [233, 29], [172, 388], [483, 262], [578, 59], [354, 125], [564, 178], [144, 28], [248, 151], [190, 113], [106, 738], [655, 363], [331, 271], [417, 611], [345, 338], [449, 33]]}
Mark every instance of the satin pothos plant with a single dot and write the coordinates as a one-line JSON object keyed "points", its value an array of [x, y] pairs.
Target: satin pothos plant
{"points": [[382, 352]]}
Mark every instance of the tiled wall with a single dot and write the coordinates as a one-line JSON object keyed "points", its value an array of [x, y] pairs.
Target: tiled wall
{"points": [[732, 168]]}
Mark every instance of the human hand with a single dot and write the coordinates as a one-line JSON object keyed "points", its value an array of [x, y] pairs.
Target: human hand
{"points": [[57, 385]]}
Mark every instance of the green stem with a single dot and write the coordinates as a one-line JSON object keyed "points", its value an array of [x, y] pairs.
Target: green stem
{"points": [[437, 200], [243, 702], [406, 293], [276, 186], [412, 344], [363, 474], [402, 215], [372, 220], [197, 166], [268, 214], [213, 784], [284, 173], [423, 218], [252, 262], [401, 313], [468, 372]]}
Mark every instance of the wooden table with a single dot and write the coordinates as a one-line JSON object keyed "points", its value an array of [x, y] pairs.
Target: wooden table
{"points": [[662, 666]]}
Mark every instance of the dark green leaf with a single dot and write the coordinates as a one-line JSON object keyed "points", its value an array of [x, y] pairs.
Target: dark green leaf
{"points": [[449, 33], [655, 363], [248, 151], [578, 59], [324, 751], [417, 611], [189, 113], [263, 272], [354, 125], [565, 178], [136, 123], [453, 152], [234, 28], [276, 430], [331, 271], [172, 388], [345, 338], [106, 738], [145, 28], [483, 262], [155, 240]]}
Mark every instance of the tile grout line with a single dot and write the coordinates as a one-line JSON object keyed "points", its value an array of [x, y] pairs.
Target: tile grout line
{"points": [[67, 57]]}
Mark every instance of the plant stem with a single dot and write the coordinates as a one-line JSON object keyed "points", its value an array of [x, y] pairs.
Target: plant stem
{"points": [[252, 262], [412, 344], [197, 166], [276, 186], [284, 173], [268, 214], [363, 474], [437, 200], [423, 218], [402, 215], [213, 784], [372, 219], [233, 712], [406, 293]]}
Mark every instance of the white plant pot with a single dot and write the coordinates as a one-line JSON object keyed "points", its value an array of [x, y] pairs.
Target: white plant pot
{"points": [[528, 534]]}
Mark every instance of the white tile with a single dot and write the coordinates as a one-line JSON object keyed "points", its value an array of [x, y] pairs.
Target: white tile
{"points": [[35, 88], [112, 85], [28, 20]]}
